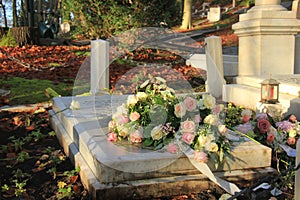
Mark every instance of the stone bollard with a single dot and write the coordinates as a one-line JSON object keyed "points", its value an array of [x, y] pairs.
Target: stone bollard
{"points": [[214, 62], [297, 176], [99, 66]]}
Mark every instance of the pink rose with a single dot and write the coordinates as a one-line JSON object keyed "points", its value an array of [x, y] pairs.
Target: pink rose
{"points": [[197, 118], [217, 109], [292, 118], [136, 136], [122, 120], [188, 138], [270, 137], [111, 125], [179, 110], [112, 137], [190, 103], [263, 125], [172, 148], [200, 156], [246, 118], [188, 126], [134, 116], [291, 141]]}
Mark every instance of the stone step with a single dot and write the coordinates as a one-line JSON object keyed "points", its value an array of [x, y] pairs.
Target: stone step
{"points": [[82, 133], [248, 95], [289, 84]]}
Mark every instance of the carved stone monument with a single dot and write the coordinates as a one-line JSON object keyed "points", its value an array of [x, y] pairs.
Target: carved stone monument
{"points": [[267, 39]]}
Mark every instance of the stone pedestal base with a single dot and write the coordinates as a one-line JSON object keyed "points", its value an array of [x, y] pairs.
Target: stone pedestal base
{"points": [[267, 40]]}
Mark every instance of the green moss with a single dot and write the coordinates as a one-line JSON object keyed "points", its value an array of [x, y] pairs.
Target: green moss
{"points": [[25, 91]]}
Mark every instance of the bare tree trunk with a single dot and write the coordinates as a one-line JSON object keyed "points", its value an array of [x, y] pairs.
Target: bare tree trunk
{"points": [[14, 10], [31, 12], [187, 15], [4, 13], [24, 7]]}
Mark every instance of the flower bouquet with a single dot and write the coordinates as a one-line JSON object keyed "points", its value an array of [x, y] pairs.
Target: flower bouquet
{"points": [[156, 118], [277, 133]]}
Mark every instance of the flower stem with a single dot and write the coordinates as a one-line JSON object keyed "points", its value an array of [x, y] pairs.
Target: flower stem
{"points": [[247, 136]]}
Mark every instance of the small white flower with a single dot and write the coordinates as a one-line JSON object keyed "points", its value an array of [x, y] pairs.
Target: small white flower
{"points": [[75, 105]]}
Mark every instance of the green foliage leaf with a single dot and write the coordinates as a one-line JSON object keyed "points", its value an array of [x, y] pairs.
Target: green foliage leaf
{"points": [[148, 142]]}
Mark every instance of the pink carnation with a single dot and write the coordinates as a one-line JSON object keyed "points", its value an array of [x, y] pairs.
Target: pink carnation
{"points": [[200, 156], [188, 138], [112, 137]]}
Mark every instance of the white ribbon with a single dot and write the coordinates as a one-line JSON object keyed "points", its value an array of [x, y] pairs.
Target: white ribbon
{"points": [[231, 188]]}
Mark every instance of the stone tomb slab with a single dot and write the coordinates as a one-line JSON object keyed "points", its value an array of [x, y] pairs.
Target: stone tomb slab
{"points": [[125, 171]]}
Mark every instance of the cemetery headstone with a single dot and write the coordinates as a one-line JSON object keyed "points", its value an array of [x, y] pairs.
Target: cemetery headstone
{"points": [[214, 14]]}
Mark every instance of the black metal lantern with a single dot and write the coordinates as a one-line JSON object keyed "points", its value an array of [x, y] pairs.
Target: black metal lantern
{"points": [[269, 91]]}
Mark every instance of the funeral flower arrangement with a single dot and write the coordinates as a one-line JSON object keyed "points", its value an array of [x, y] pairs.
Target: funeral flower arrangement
{"points": [[270, 128], [156, 118]]}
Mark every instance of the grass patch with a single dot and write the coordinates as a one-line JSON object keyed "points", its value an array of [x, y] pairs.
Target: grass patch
{"points": [[25, 91]]}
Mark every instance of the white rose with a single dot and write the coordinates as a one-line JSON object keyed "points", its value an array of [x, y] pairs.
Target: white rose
{"points": [[212, 147], [222, 129], [179, 110], [123, 131], [211, 119], [157, 133], [141, 95], [132, 100], [292, 133], [209, 101]]}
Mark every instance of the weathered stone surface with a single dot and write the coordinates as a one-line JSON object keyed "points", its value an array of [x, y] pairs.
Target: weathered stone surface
{"points": [[112, 163]]}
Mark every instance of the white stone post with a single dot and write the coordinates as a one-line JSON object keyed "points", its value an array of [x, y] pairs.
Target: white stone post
{"points": [[214, 60], [297, 54], [99, 66], [297, 176]]}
